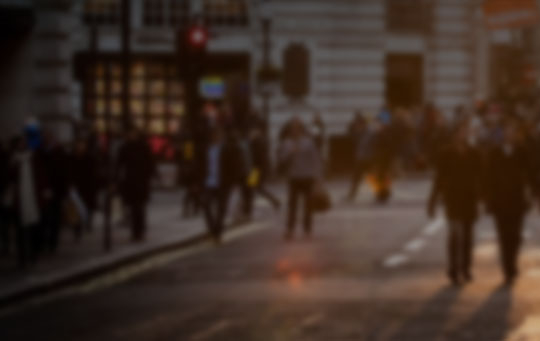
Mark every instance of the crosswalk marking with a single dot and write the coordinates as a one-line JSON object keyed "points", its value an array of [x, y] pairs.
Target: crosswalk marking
{"points": [[395, 260]]}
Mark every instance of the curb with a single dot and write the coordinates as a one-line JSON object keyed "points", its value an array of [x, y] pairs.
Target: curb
{"points": [[88, 271]]}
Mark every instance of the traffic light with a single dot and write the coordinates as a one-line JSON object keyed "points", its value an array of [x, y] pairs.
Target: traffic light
{"points": [[295, 81], [191, 47]]}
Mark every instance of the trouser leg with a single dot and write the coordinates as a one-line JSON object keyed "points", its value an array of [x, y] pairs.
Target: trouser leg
{"points": [[292, 205], [454, 233], [467, 247], [509, 231], [308, 212]]}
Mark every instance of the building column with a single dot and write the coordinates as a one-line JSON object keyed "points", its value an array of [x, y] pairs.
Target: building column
{"points": [[52, 79]]}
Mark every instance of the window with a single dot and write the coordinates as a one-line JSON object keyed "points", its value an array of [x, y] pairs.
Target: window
{"points": [[226, 12], [156, 96], [102, 12], [159, 13], [405, 16]]}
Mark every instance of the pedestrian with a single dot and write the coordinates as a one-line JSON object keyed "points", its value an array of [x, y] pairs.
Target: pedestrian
{"points": [[5, 201], [510, 181], [457, 184], [361, 138], [303, 165], [219, 172], [85, 180], [187, 175], [135, 170], [261, 166], [57, 164], [30, 192]]}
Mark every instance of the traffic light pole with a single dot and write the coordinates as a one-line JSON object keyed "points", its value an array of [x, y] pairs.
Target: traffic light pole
{"points": [[266, 25]]}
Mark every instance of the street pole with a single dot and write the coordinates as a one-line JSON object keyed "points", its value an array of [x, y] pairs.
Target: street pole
{"points": [[266, 24], [126, 61]]}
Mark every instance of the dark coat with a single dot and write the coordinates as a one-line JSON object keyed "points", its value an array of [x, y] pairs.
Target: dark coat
{"points": [[85, 177], [232, 165], [458, 183], [509, 181], [135, 169], [57, 163]]}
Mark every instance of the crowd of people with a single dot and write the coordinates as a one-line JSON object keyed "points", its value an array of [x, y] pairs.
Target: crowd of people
{"points": [[486, 155], [46, 185], [484, 159]]}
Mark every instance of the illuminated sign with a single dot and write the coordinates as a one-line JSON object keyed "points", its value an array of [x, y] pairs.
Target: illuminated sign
{"points": [[212, 87]]}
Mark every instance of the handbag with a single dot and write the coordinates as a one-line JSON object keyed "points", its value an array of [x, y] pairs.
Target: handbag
{"points": [[320, 199]]}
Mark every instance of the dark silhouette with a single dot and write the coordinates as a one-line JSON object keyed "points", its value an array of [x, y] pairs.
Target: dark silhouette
{"points": [[135, 169], [457, 182], [303, 165], [510, 183], [361, 138]]}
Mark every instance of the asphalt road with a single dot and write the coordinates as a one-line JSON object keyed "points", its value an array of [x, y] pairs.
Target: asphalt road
{"points": [[369, 273]]}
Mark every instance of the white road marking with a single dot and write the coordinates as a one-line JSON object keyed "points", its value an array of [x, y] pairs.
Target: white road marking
{"points": [[415, 245], [395, 260], [213, 330], [434, 227]]}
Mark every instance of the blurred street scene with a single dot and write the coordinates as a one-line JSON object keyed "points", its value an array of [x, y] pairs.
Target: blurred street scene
{"points": [[269, 170]]}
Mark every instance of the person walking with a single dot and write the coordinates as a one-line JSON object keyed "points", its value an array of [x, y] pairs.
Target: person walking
{"points": [[303, 164], [30, 192], [457, 184], [56, 161], [135, 170], [219, 172], [510, 185], [85, 180], [5, 201], [361, 139]]}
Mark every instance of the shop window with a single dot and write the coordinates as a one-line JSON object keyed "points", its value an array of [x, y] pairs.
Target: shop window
{"points": [[102, 12], [403, 16], [156, 96]]}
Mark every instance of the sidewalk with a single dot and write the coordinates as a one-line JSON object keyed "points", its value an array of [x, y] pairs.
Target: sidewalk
{"points": [[76, 261]]}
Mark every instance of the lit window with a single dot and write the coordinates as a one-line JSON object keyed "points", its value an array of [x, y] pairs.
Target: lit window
{"points": [[157, 88], [177, 108], [100, 107], [157, 107], [157, 127], [137, 107], [116, 107], [116, 88], [137, 88]]}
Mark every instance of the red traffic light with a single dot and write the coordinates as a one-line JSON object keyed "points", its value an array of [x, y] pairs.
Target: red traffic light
{"points": [[197, 36]]}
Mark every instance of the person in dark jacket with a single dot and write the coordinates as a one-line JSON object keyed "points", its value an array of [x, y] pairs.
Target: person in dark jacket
{"points": [[510, 185], [304, 168], [85, 179], [361, 138], [135, 170], [30, 195], [220, 170], [57, 165], [457, 184], [5, 221]]}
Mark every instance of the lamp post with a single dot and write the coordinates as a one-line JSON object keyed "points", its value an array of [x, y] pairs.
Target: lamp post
{"points": [[266, 25]]}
